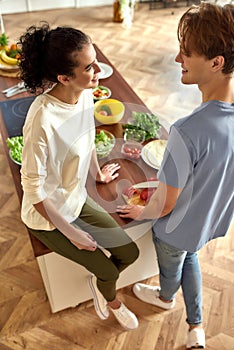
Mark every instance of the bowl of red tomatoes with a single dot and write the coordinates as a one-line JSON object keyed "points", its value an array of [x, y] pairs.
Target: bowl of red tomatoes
{"points": [[131, 150]]}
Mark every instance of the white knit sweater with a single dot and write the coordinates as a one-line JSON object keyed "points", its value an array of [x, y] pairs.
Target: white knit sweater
{"points": [[58, 142]]}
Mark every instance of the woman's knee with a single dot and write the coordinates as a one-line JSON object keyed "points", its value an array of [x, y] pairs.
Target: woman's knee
{"points": [[133, 252], [129, 253]]}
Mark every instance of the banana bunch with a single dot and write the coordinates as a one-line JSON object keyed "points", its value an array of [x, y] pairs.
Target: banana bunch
{"points": [[7, 59]]}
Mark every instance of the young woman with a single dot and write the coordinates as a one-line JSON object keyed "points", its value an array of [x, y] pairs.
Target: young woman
{"points": [[60, 65]]}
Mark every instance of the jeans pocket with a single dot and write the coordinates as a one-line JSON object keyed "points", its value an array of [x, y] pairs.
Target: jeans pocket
{"points": [[168, 249]]}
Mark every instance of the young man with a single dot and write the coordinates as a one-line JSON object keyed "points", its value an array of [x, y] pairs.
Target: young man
{"points": [[195, 198]]}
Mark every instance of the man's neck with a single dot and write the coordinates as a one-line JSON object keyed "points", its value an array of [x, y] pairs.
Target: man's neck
{"points": [[221, 90]]}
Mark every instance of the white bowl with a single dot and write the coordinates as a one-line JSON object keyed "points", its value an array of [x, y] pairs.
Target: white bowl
{"points": [[14, 160], [134, 135], [103, 150], [101, 93]]}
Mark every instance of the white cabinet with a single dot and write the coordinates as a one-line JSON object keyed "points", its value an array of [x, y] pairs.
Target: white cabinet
{"points": [[85, 3], [15, 6], [38, 5]]}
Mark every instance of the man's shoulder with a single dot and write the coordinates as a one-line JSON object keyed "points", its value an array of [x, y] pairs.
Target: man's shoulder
{"points": [[207, 112]]}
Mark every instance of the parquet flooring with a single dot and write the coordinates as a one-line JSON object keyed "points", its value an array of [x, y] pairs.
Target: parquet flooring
{"points": [[144, 55]]}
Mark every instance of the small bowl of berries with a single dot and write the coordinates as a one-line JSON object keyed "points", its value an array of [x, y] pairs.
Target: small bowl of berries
{"points": [[131, 150]]}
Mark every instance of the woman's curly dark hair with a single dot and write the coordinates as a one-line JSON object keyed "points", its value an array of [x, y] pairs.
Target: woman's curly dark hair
{"points": [[47, 53]]}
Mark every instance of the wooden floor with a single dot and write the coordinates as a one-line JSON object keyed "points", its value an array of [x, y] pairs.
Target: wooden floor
{"points": [[144, 55]]}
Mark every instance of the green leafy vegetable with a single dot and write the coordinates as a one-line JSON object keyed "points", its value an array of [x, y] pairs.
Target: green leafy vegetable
{"points": [[15, 144], [147, 122], [102, 140], [3, 40]]}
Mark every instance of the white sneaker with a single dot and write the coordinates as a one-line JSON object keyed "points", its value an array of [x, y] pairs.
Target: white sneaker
{"points": [[126, 318], [150, 294], [196, 339], [100, 303]]}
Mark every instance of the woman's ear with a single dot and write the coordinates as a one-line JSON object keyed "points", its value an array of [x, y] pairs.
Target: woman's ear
{"points": [[218, 63], [63, 79]]}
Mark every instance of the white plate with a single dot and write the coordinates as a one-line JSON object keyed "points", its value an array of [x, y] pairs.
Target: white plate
{"points": [[149, 153], [106, 70], [147, 184]]}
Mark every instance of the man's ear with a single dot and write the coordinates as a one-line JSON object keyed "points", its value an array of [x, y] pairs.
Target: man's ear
{"points": [[218, 63], [63, 79]]}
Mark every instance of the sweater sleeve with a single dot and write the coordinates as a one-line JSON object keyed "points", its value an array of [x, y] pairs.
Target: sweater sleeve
{"points": [[33, 172]]}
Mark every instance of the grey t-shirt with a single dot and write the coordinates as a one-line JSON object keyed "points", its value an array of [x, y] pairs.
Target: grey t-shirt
{"points": [[200, 159]]}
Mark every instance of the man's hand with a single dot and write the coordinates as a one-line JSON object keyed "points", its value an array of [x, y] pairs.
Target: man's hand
{"points": [[130, 211], [161, 203], [108, 173]]}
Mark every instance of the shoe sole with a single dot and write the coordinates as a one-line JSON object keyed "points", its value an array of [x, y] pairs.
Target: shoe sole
{"points": [[95, 301]]}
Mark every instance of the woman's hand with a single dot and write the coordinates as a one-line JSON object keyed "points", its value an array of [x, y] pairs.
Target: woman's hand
{"points": [[130, 211], [78, 237], [84, 241], [108, 173]]}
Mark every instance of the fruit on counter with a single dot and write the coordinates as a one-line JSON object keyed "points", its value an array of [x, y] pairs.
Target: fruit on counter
{"points": [[131, 152], [105, 110], [132, 196], [146, 193], [5, 56], [137, 196], [4, 64]]}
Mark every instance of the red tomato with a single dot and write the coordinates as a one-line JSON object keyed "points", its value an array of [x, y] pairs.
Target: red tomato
{"points": [[127, 150], [146, 193]]}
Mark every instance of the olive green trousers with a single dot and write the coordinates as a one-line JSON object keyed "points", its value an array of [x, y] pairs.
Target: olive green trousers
{"points": [[104, 229]]}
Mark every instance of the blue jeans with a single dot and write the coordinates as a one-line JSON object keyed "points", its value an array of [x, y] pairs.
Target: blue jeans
{"points": [[180, 268]]}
